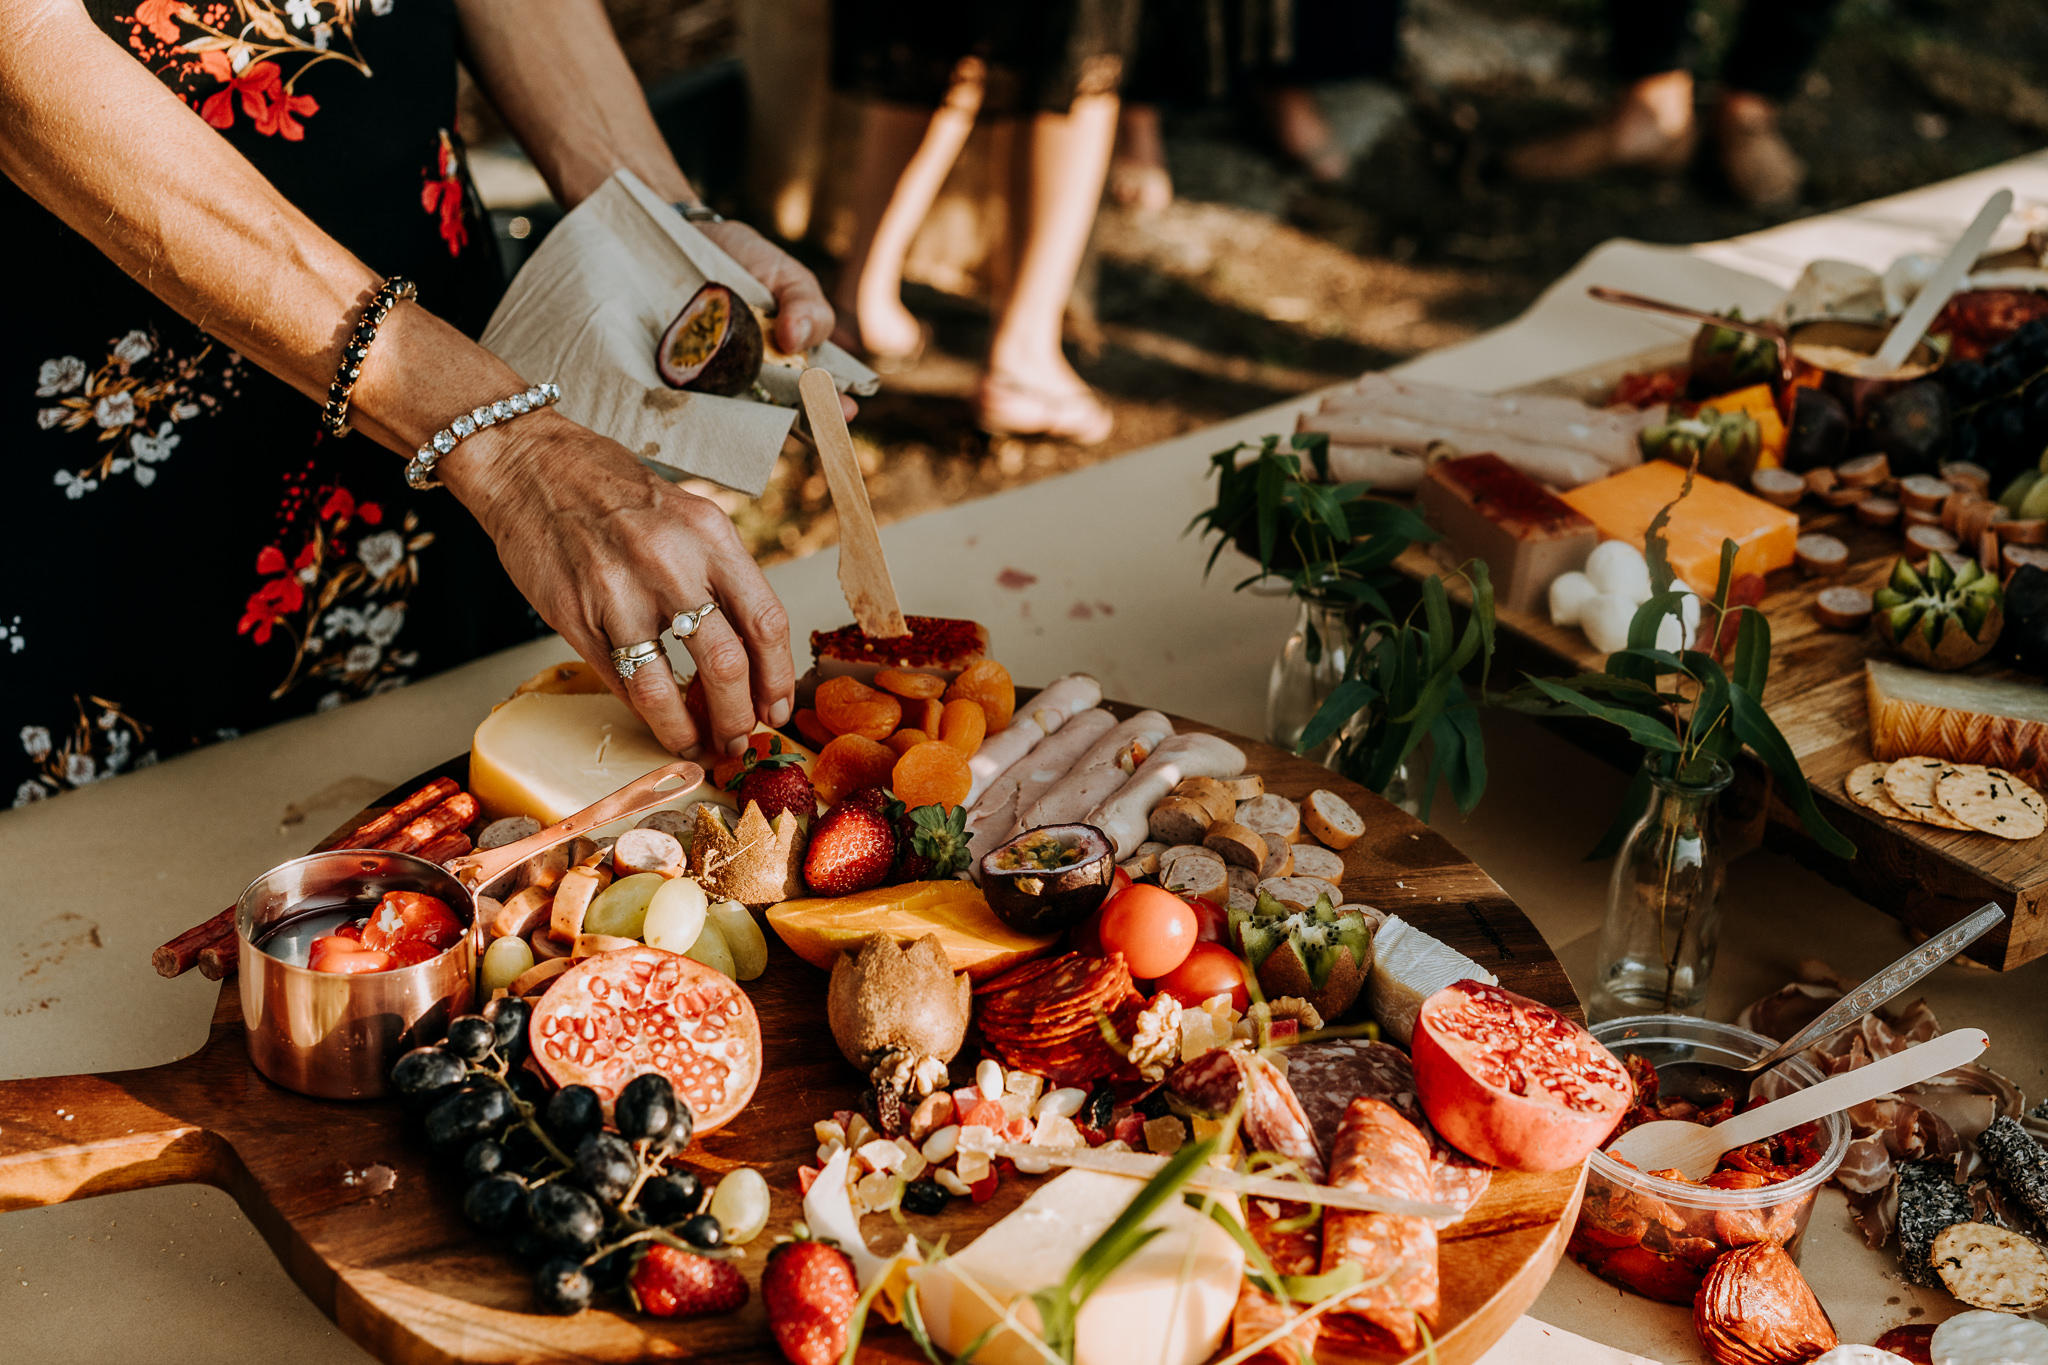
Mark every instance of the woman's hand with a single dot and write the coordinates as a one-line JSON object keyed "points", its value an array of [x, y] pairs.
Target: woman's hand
{"points": [[608, 552], [803, 318]]}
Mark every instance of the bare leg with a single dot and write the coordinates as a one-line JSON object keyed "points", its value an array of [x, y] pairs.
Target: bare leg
{"points": [[905, 155], [1304, 134], [1030, 387], [1138, 177], [1651, 126], [1761, 167]]}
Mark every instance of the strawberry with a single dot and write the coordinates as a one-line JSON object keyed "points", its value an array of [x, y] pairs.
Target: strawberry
{"points": [[809, 1290], [774, 779], [677, 1284], [876, 799], [852, 849], [930, 844]]}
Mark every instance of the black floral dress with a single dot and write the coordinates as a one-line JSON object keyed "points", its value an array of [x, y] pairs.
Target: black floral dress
{"points": [[188, 556]]}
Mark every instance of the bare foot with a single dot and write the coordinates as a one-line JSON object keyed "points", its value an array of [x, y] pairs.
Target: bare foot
{"points": [[1068, 410], [886, 334], [1650, 128], [1762, 169]]}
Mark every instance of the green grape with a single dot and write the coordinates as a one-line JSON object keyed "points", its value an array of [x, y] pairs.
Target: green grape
{"points": [[710, 950], [505, 961], [675, 916], [621, 908], [742, 937]]}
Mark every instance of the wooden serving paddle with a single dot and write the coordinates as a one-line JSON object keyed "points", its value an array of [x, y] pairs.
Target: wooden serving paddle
{"points": [[863, 572]]}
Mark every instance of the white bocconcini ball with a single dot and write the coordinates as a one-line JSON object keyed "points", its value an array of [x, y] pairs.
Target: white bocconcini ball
{"points": [[1618, 568], [1606, 620], [1569, 593]]}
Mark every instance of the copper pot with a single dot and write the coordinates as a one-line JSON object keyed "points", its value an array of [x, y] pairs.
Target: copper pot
{"points": [[335, 1036]]}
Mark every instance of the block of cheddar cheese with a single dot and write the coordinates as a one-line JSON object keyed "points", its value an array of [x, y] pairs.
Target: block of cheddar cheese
{"points": [[1624, 504], [1489, 510]]}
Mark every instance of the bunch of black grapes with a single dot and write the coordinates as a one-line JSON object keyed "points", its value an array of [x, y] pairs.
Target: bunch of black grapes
{"points": [[541, 1171], [2001, 404]]}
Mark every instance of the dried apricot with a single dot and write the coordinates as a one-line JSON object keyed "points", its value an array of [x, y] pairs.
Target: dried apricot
{"points": [[904, 738], [811, 728], [927, 715], [726, 767], [987, 682], [908, 682], [932, 774], [849, 764], [848, 706], [963, 725]]}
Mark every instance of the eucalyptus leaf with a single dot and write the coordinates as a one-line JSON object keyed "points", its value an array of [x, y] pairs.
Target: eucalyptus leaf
{"points": [[1752, 652], [1645, 730], [1756, 729]]}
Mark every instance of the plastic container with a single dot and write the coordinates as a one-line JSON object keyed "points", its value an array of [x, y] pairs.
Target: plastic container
{"points": [[1658, 1237]]}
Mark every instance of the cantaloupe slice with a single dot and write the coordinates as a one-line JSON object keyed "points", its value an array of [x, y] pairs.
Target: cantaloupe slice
{"points": [[974, 940]]}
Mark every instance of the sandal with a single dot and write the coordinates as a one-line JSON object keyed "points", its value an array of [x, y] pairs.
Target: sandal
{"points": [[1007, 407]]}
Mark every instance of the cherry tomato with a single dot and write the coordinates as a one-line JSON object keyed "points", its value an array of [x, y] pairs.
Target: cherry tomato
{"points": [[1150, 926], [404, 916], [1212, 921], [1210, 969], [333, 953], [1118, 880], [410, 952]]}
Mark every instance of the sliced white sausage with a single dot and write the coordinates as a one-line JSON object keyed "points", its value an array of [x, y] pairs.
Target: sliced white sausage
{"points": [[994, 817], [1062, 700], [1125, 815], [1099, 773]]}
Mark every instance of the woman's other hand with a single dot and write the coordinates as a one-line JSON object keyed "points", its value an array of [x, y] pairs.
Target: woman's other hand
{"points": [[608, 552]]}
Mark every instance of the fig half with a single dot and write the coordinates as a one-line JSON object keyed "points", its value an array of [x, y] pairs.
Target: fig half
{"points": [[1050, 878], [713, 346]]}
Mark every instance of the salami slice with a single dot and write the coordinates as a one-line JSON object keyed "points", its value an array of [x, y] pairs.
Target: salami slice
{"points": [[1292, 1251], [1328, 1075], [1273, 1118], [1379, 1151]]}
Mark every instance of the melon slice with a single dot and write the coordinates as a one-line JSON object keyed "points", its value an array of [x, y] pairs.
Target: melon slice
{"points": [[974, 940], [1963, 719]]}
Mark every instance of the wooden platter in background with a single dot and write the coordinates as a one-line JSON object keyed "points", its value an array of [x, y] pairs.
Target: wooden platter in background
{"points": [[350, 1204], [1928, 877]]}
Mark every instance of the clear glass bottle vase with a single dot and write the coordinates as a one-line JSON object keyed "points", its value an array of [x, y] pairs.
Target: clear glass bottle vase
{"points": [[1664, 901], [1308, 669]]}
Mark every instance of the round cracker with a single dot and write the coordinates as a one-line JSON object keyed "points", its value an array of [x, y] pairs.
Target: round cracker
{"points": [[1865, 786], [1993, 800], [1910, 782], [1992, 1267]]}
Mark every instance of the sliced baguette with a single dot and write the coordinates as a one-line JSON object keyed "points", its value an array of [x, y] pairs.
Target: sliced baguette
{"points": [[1331, 819]]}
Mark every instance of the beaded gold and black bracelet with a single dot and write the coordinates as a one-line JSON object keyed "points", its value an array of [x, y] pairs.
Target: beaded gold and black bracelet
{"points": [[334, 415]]}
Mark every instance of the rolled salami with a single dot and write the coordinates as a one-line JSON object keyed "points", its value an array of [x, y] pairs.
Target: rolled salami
{"points": [[1379, 1151], [1292, 1251]]}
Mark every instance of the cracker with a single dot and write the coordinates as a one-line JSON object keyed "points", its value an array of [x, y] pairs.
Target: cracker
{"points": [[1993, 800], [1910, 783], [1865, 786], [1994, 1268]]}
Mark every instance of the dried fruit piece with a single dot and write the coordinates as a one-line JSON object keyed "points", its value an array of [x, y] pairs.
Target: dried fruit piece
{"points": [[963, 725], [849, 764], [811, 728], [927, 715], [909, 683], [903, 739], [932, 774], [848, 706], [987, 682]]}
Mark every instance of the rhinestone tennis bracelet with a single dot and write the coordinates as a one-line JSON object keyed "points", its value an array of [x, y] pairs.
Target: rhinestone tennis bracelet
{"points": [[419, 471], [334, 414]]}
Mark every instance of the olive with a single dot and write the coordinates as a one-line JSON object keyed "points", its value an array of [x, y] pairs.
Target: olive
{"points": [[924, 1197], [427, 1068], [572, 1112], [670, 1198], [565, 1216], [471, 1037], [563, 1286], [647, 1107], [606, 1165], [496, 1203]]}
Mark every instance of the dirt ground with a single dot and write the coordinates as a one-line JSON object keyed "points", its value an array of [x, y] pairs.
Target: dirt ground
{"points": [[1257, 284]]}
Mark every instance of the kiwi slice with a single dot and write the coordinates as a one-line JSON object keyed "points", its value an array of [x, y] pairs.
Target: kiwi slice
{"points": [[1321, 955]]}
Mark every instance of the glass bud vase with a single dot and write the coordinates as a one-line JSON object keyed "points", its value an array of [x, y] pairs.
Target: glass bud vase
{"points": [[1308, 669], [1664, 902]]}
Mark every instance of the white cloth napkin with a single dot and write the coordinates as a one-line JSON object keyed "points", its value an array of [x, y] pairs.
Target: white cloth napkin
{"points": [[588, 309]]}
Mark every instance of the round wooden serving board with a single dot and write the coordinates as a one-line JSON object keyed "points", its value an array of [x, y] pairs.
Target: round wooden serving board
{"points": [[388, 1256]]}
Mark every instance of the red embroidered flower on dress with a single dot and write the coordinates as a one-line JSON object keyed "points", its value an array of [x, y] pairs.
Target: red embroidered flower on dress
{"points": [[265, 99], [160, 18], [269, 605], [443, 194]]}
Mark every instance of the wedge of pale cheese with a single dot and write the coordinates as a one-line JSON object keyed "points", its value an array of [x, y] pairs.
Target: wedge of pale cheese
{"points": [[1169, 1304], [1408, 966], [548, 755]]}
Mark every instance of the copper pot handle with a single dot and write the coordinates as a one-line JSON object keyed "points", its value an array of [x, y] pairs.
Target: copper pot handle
{"points": [[476, 870]]}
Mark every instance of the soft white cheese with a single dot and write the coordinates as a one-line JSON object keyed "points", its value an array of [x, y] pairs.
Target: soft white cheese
{"points": [[1144, 1314], [1408, 966]]}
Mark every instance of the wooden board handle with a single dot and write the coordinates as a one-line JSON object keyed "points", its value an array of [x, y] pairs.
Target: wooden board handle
{"points": [[71, 1137]]}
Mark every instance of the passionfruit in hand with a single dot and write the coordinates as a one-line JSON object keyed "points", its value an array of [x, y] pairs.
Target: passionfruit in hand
{"points": [[1048, 879], [714, 345]]}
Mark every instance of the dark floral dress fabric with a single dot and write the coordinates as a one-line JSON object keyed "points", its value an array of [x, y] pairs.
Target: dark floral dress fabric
{"points": [[188, 556]]}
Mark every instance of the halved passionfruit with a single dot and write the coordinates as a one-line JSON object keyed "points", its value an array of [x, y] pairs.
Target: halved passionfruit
{"points": [[713, 346], [1048, 879]]}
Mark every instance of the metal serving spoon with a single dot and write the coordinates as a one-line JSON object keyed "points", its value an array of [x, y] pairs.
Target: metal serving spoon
{"points": [[1708, 1083], [1693, 1149]]}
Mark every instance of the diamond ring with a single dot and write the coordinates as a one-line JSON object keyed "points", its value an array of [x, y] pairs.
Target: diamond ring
{"points": [[631, 658], [686, 622]]}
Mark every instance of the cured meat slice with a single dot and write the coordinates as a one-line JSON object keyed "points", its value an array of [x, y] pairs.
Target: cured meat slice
{"points": [[1327, 1076], [1273, 1119], [1755, 1308], [1382, 1153], [1293, 1243]]}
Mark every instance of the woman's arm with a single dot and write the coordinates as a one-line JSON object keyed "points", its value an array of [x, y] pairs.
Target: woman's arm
{"points": [[604, 549], [555, 73]]}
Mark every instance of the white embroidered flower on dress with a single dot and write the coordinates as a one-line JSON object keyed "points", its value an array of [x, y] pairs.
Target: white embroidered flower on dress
{"points": [[332, 701], [80, 770], [380, 8], [50, 417], [30, 790], [155, 449], [61, 375], [109, 719], [17, 642], [302, 12], [36, 740], [73, 486], [133, 347], [184, 412], [362, 658], [114, 409], [381, 553], [383, 628], [341, 621]]}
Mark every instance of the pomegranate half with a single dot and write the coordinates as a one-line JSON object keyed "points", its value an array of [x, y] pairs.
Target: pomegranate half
{"points": [[1512, 1081]]}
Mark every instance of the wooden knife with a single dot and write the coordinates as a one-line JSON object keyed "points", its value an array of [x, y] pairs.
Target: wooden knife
{"points": [[863, 572]]}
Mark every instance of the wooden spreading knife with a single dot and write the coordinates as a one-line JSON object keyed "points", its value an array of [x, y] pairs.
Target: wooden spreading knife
{"points": [[863, 572]]}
